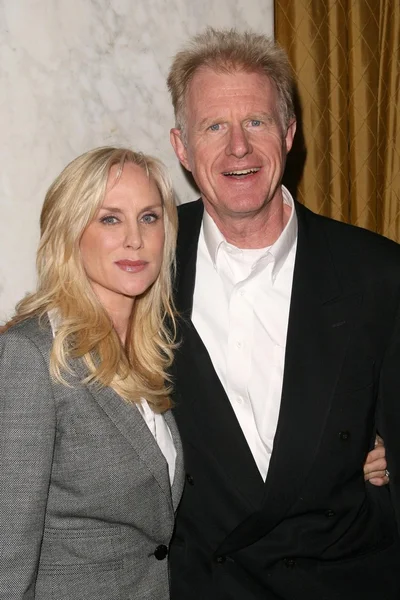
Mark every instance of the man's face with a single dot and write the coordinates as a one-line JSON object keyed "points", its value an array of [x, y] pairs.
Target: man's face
{"points": [[235, 145]]}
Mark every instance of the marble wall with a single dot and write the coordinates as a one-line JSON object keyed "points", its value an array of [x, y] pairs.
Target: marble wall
{"points": [[75, 74]]}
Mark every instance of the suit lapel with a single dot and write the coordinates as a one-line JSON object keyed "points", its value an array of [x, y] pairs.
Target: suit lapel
{"points": [[318, 333], [190, 220], [225, 440], [214, 427], [130, 423], [179, 478]]}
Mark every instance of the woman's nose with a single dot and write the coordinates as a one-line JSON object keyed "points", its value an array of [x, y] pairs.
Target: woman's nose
{"points": [[133, 237]]}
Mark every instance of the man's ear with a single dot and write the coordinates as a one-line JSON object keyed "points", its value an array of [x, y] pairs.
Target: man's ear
{"points": [[178, 145], [291, 130]]}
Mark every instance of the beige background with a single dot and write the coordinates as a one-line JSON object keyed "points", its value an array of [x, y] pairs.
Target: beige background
{"points": [[75, 74]]}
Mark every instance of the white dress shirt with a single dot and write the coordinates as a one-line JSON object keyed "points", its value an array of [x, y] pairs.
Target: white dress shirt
{"points": [[154, 421], [241, 311]]}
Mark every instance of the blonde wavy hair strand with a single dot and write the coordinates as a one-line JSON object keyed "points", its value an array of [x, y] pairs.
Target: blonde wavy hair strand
{"points": [[140, 368]]}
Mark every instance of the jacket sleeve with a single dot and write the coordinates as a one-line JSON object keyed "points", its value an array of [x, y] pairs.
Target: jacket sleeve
{"points": [[388, 414], [27, 434]]}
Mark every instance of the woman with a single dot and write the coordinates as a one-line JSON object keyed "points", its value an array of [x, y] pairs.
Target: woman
{"points": [[91, 467]]}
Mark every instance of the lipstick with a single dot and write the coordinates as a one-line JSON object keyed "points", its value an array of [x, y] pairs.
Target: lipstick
{"points": [[131, 266]]}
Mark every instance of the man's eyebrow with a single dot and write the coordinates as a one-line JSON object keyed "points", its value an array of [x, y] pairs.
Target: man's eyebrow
{"points": [[210, 121], [263, 116]]}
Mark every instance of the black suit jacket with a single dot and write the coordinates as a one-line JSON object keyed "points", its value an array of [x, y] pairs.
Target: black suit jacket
{"points": [[312, 530]]}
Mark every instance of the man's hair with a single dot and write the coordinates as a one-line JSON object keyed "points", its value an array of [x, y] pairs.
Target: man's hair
{"points": [[229, 51], [84, 329]]}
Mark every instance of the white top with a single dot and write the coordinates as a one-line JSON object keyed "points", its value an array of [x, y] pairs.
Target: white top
{"points": [[162, 434], [241, 312], [155, 422]]}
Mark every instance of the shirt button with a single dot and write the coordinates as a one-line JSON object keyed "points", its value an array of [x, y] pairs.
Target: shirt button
{"points": [[242, 292], [344, 435], [161, 552], [220, 560], [189, 479], [329, 513], [239, 400], [238, 345], [289, 563]]}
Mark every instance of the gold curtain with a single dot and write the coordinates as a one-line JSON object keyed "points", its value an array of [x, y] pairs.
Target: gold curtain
{"points": [[346, 58]]}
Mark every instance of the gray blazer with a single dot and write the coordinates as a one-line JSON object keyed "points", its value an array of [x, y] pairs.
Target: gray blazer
{"points": [[86, 507]]}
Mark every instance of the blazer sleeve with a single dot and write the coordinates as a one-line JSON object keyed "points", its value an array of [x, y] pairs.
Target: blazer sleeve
{"points": [[388, 414], [27, 435]]}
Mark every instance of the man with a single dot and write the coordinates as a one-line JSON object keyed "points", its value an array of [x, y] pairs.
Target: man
{"points": [[289, 361]]}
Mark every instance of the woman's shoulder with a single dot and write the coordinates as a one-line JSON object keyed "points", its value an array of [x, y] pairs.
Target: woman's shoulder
{"points": [[24, 367], [33, 331]]}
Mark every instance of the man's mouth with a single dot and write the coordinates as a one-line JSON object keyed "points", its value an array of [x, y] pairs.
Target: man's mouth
{"points": [[241, 172]]}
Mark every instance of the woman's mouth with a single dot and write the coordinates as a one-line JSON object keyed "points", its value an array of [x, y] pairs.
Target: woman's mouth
{"points": [[131, 266]]}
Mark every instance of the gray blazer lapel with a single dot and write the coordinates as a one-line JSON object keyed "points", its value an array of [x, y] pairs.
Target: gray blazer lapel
{"points": [[130, 423], [179, 478]]}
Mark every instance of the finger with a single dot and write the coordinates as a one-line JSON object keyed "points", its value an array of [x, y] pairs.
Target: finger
{"points": [[376, 465], [379, 481], [376, 454], [379, 441], [372, 474]]}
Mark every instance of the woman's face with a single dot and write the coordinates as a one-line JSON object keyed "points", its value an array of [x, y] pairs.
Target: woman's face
{"points": [[122, 248]]}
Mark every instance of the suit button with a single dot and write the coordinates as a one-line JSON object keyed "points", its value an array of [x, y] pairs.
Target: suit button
{"points": [[189, 479], [329, 513], [289, 562], [344, 435], [220, 560], [161, 552]]}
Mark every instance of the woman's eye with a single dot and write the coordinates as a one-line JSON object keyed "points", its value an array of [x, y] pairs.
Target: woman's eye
{"points": [[110, 220], [149, 218]]}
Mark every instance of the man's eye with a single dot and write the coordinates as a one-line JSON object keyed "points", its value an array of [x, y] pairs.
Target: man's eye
{"points": [[109, 220], [149, 218], [255, 123], [215, 127]]}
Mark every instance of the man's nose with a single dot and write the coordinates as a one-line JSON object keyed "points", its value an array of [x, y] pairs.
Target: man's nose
{"points": [[239, 144]]}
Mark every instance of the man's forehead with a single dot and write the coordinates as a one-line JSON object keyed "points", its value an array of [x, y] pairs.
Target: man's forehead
{"points": [[210, 84], [205, 72]]}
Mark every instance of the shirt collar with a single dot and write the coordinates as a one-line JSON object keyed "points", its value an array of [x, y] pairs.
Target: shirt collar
{"points": [[54, 320], [279, 251]]}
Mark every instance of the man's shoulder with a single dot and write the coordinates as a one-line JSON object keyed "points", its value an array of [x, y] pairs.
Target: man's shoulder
{"points": [[351, 240], [190, 218], [190, 210]]}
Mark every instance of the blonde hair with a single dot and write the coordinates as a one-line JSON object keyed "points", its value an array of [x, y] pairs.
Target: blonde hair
{"points": [[230, 51], [138, 370]]}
